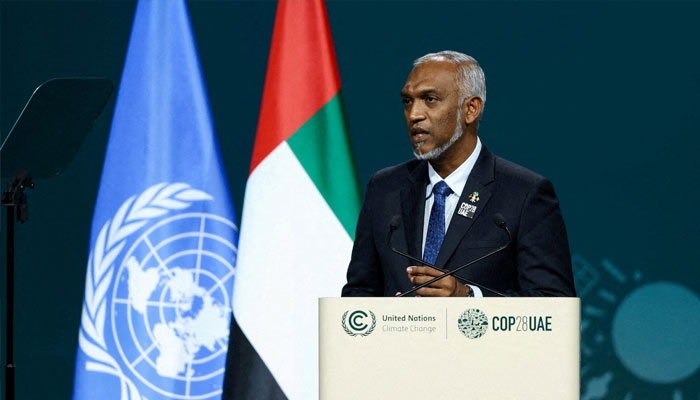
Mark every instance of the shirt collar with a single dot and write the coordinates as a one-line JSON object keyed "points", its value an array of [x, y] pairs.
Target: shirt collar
{"points": [[458, 178]]}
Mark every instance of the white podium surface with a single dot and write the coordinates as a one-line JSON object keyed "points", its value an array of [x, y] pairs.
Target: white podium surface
{"points": [[437, 348]]}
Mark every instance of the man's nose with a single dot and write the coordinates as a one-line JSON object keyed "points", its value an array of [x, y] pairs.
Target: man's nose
{"points": [[416, 113]]}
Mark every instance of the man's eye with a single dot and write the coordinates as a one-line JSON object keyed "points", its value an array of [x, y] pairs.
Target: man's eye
{"points": [[406, 101], [431, 99]]}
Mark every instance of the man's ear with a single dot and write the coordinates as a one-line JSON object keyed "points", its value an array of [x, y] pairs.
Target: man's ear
{"points": [[471, 109]]}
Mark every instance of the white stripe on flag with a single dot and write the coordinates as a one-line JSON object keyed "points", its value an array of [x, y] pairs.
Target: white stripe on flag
{"points": [[292, 250]]}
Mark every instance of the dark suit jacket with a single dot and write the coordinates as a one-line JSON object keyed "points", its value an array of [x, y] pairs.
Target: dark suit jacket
{"points": [[536, 263]]}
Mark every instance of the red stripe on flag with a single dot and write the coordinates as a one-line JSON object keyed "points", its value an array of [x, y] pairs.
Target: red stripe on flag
{"points": [[302, 74]]}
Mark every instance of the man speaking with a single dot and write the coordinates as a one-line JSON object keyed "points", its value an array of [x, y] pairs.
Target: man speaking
{"points": [[440, 208]]}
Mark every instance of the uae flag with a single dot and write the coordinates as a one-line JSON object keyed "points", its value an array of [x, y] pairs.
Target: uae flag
{"points": [[301, 205]]}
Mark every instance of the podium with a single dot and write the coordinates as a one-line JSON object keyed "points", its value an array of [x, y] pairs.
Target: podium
{"points": [[446, 348]]}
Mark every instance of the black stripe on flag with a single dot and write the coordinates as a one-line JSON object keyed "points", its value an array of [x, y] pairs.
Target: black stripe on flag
{"points": [[247, 376]]}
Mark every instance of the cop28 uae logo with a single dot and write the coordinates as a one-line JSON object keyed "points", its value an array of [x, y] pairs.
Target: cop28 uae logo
{"points": [[473, 323], [357, 324]]}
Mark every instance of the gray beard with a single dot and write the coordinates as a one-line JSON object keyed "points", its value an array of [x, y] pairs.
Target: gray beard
{"points": [[435, 153]]}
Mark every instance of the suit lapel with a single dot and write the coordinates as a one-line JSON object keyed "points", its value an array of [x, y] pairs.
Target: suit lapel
{"points": [[479, 179], [413, 208]]}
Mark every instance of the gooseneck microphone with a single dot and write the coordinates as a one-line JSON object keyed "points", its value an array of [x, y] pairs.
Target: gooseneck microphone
{"points": [[497, 219], [501, 223], [393, 225]]}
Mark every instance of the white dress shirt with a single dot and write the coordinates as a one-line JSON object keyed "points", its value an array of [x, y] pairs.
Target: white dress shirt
{"points": [[456, 181]]}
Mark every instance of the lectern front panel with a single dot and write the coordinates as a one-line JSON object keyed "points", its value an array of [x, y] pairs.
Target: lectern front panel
{"points": [[424, 348]]}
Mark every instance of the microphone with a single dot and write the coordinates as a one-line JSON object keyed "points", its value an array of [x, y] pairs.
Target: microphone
{"points": [[501, 223], [394, 224]]}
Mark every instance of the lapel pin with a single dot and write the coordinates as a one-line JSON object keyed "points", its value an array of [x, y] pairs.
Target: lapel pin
{"points": [[474, 197], [467, 210]]}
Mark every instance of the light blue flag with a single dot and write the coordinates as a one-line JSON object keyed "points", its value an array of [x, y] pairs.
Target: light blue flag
{"points": [[160, 273]]}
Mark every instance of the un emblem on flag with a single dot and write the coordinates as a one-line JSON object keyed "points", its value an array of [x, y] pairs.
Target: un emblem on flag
{"points": [[170, 274]]}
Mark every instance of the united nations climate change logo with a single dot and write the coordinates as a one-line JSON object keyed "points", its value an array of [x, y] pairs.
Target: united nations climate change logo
{"points": [[357, 323], [473, 323], [163, 330]]}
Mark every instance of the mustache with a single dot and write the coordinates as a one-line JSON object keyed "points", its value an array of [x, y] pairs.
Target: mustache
{"points": [[418, 130]]}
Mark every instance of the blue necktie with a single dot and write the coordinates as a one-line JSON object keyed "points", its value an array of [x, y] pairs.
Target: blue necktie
{"points": [[436, 224]]}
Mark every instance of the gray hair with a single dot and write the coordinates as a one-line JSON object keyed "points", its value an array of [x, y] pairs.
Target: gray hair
{"points": [[470, 77]]}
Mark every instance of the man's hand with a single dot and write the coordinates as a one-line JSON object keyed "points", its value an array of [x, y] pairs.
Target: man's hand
{"points": [[446, 287]]}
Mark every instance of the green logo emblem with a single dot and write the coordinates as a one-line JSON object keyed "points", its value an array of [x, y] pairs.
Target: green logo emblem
{"points": [[356, 324], [473, 323]]}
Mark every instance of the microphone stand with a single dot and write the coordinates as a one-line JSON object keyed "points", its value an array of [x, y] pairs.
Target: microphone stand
{"points": [[44, 139], [422, 262], [13, 196], [500, 222], [454, 271]]}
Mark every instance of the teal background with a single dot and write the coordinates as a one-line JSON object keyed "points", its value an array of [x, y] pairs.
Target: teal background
{"points": [[601, 97]]}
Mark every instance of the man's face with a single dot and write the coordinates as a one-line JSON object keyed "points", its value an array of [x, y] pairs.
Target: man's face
{"points": [[431, 104]]}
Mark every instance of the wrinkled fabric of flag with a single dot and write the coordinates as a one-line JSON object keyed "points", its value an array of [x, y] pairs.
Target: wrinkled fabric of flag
{"points": [[163, 245]]}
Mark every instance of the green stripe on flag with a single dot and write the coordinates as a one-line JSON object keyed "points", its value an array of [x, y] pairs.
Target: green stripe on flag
{"points": [[322, 146]]}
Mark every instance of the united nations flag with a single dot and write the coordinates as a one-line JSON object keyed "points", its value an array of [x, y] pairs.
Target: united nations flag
{"points": [[160, 271]]}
